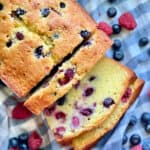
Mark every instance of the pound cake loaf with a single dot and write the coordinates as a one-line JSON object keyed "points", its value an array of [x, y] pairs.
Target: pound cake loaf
{"points": [[88, 139], [70, 73], [38, 36], [90, 102]]}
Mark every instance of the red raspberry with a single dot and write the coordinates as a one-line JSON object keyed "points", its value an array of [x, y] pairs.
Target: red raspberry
{"points": [[137, 147], [13, 148], [105, 27], [21, 112], [34, 141], [127, 21]]}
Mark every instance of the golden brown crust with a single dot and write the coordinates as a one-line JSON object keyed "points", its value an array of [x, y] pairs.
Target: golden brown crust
{"points": [[19, 67], [45, 97], [107, 126]]}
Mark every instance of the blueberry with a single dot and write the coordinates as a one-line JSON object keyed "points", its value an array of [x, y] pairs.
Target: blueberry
{"points": [[56, 36], [39, 51], [86, 111], [145, 118], [133, 121], [108, 102], [88, 92], [85, 34], [118, 55], [135, 139], [116, 44], [147, 128], [61, 101], [19, 12], [45, 12], [62, 5], [111, 12], [92, 78], [143, 41], [9, 43], [124, 140], [23, 147], [116, 28], [19, 36], [13, 142], [145, 146], [23, 138], [1, 6]]}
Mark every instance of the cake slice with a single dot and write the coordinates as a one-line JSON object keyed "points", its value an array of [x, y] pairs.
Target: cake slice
{"points": [[88, 139], [37, 36], [91, 101], [70, 73]]}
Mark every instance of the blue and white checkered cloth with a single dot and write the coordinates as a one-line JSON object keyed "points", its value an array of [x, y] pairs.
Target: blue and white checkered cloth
{"points": [[135, 57]]}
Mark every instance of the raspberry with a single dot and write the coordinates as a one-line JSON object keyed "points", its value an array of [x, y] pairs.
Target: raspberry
{"points": [[13, 148], [127, 21], [105, 27], [137, 147], [34, 141], [21, 112]]}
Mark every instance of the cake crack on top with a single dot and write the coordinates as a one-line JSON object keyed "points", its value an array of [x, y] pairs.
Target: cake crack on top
{"points": [[52, 31]]}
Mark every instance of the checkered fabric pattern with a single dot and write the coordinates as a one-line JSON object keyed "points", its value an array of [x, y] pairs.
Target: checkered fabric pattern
{"points": [[135, 57]]}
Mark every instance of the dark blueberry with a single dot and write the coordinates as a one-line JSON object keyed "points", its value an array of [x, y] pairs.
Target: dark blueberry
{"points": [[118, 55], [61, 101], [147, 128], [68, 76], [86, 111], [133, 121], [19, 36], [92, 78], [111, 12], [145, 118], [116, 44], [146, 146], [60, 115], [23, 147], [9, 43], [39, 51], [135, 139], [124, 140], [23, 138], [56, 36], [1, 6], [108, 102], [148, 51], [19, 12], [116, 28], [45, 12], [88, 92], [62, 5], [85, 34], [143, 41], [87, 43], [13, 142], [111, 1]]}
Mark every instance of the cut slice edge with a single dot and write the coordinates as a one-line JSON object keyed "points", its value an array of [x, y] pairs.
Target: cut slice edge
{"points": [[45, 97], [88, 139]]}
